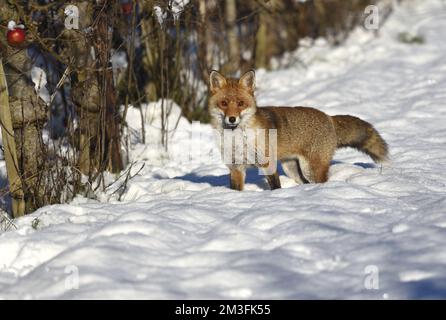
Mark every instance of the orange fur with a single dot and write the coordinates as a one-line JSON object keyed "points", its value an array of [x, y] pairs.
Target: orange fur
{"points": [[307, 136]]}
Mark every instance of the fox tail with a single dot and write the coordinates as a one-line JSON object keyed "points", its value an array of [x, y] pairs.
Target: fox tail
{"points": [[361, 135]]}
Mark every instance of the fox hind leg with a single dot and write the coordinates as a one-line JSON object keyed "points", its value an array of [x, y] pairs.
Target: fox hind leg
{"points": [[274, 181], [293, 170], [318, 169]]}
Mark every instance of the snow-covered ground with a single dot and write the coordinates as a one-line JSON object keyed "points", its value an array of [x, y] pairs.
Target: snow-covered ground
{"points": [[180, 232]]}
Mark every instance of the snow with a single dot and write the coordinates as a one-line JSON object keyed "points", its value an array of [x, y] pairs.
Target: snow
{"points": [[160, 15], [38, 77], [119, 60], [180, 232], [11, 25], [177, 7]]}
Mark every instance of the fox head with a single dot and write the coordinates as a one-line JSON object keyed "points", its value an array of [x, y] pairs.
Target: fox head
{"points": [[231, 103]]}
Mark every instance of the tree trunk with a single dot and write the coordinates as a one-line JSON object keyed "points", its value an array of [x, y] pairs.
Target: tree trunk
{"points": [[85, 88], [233, 41], [28, 114], [111, 119], [204, 41], [261, 58], [94, 93], [10, 150]]}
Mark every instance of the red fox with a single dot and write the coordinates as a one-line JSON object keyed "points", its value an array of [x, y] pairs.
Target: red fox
{"points": [[306, 137]]}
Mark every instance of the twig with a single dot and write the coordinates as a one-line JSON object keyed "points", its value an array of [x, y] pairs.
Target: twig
{"points": [[60, 83], [6, 223]]}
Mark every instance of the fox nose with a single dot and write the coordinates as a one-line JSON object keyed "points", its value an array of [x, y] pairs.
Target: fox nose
{"points": [[232, 119]]}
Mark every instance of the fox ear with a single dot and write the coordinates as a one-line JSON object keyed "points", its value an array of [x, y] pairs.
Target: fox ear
{"points": [[248, 80], [216, 81]]}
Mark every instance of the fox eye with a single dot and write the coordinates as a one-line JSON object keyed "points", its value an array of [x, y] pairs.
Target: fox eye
{"points": [[224, 103], [241, 103]]}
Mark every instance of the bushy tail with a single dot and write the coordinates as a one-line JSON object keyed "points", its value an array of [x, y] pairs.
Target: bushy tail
{"points": [[356, 133]]}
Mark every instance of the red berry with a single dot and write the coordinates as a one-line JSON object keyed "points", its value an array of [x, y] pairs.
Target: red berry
{"points": [[127, 7], [16, 37]]}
